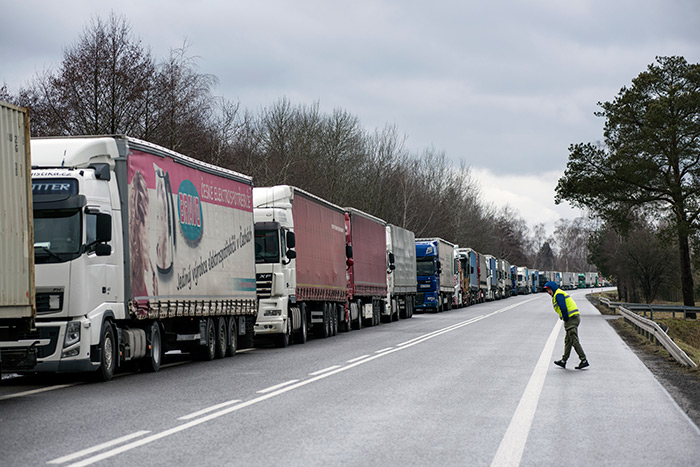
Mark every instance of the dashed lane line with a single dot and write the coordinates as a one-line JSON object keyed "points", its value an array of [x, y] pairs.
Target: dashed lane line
{"points": [[99, 447]]}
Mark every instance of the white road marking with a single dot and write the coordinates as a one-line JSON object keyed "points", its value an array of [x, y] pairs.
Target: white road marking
{"points": [[330, 368], [99, 447], [37, 391], [510, 451], [384, 350], [322, 374], [208, 409], [281, 385], [357, 359]]}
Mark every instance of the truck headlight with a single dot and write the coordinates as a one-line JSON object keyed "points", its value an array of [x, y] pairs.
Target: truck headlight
{"points": [[72, 334]]}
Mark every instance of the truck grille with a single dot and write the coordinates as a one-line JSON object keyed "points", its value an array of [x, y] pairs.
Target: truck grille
{"points": [[263, 285], [49, 302]]}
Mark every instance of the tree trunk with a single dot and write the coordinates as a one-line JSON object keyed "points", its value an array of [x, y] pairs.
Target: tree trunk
{"points": [[686, 272]]}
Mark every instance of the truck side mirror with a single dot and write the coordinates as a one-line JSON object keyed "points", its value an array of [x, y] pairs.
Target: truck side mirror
{"points": [[291, 254], [392, 260], [348, 251], [103, 249], [291, 240], [103, 228]]}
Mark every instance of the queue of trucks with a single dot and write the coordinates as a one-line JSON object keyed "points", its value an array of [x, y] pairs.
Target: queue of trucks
{"points": [[124, 250]]}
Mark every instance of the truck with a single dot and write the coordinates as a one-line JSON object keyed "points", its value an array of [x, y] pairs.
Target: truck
{"points": [[504, 282], [367, 284], [485, 277], [521, 280], [434, 262], [468, 260], [138, 250], [300, 265], [402, 279], [591, 279], [17, 295]]}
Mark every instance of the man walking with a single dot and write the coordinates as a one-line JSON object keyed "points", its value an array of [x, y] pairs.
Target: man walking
{"points": [[566, 308]]}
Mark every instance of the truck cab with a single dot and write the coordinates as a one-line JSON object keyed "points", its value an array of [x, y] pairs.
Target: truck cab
{"points": [[275, 274], [78, 273], [428, 269]]}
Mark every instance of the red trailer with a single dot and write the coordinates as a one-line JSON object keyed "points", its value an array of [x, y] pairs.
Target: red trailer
{"points": [[367, 280]]}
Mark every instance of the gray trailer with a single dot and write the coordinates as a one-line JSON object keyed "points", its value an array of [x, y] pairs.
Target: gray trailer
{"points": [[402, 280]]}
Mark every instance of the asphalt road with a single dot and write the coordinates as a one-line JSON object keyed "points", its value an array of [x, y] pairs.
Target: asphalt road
{"points": [[474, 386]]}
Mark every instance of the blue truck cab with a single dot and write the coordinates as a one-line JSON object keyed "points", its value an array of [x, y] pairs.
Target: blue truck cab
{"points": [[434, 271]]}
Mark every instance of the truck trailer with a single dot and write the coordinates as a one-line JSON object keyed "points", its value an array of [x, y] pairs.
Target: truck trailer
{"points": [[138, 250], [434, 260], [17, 295], [300, 261], [367, 283], [402, 280]]}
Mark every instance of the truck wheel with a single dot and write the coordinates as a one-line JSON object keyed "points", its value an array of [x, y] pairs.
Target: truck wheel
{"points": [[326, 325], [208, 351], [108, 348], [283, 340], [358, 321], [151, 363], [221, 337], [232, 336], [302, 333]]}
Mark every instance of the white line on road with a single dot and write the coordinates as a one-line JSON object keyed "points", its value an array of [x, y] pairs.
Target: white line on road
{"points": [[510, 451], [357, 359], [384, 350], [37, 391], [322, 374], [325, 370], [99, 447], [208, 409], [277, 386]]}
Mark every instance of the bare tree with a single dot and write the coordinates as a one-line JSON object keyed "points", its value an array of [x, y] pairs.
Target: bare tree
{"points": [[100, 86]]}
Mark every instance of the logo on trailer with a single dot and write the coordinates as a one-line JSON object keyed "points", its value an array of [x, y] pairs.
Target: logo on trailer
{"points": [[190, 207]]}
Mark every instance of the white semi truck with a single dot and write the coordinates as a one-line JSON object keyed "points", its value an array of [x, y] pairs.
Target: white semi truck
{"points": [[138, 250], [301, 258]]}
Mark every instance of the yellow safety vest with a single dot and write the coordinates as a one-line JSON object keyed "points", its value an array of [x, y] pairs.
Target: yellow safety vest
{"points": [[570, 303]]}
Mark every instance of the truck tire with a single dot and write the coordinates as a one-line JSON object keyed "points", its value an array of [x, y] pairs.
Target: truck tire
{"points": [[325, 327], [283, 340], [151, 362], [232, 335], [221, 337], [207, 352], [358, 322], [303, 332], [108, 350]]}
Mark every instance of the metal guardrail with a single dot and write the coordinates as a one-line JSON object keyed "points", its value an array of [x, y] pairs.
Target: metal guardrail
{"points": [[651, 309], [652, 330]]}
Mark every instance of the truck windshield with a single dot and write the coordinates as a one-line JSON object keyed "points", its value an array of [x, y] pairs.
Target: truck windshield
{"points": [[425, 267], [267, 246], [57, 235]]}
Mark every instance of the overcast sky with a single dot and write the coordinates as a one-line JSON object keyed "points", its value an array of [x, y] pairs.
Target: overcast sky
{"points": [[502, 86]]}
